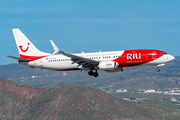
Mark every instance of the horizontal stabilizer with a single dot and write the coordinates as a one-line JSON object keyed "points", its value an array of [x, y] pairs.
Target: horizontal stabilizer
{"points": [[19, 59]]}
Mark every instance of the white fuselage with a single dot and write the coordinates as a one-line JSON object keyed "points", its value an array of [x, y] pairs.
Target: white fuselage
{"points": [[63, 63]]}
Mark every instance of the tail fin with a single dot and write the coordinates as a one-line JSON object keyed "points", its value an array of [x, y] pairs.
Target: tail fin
{"points": [[25, 47]]}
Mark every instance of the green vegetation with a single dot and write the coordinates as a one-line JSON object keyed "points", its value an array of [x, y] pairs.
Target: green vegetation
{"points": [[167, 110], [154, 96]]}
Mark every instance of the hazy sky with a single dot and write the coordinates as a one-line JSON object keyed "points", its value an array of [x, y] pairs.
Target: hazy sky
{"points": [[91, 25]]}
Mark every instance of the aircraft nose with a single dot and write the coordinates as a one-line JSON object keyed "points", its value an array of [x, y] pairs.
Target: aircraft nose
{"points": [[170, 57]]}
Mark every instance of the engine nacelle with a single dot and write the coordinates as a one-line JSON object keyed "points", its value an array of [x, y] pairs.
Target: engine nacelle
{"points": [[116, 70], [108, 65]]}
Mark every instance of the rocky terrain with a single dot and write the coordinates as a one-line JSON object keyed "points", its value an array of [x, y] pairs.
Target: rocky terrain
{"points": [[75, 102]]}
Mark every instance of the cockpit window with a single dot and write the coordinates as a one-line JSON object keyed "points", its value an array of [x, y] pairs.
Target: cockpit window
{"points": [[163, 53]]}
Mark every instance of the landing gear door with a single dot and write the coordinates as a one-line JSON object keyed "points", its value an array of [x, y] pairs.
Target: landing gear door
{"points": [[153, 54]]}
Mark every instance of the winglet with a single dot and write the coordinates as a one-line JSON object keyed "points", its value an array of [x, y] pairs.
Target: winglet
{"points": [[56, 49]]}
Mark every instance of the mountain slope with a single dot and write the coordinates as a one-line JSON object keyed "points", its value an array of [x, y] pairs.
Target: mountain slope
{"points": [[82, 102], [74, 102]]}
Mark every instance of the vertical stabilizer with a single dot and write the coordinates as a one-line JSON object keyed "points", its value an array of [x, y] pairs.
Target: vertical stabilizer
{"points": [[25, 47]]}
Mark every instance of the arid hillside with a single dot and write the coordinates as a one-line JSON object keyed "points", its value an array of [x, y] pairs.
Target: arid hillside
{"points": [[73, 102]]}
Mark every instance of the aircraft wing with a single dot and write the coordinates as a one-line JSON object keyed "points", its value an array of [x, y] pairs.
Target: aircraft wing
{"points": [[20, 59], [85, 62]]}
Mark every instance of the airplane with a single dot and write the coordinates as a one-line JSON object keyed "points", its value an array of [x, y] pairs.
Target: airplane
{"points": [[111, 61]]}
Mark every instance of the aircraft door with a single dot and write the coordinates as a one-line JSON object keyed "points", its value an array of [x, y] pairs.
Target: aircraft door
{"points": [[153, 54], [41, 63]]}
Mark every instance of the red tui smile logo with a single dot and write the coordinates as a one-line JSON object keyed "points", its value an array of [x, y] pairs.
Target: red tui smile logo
{"points": [[25, 49]]}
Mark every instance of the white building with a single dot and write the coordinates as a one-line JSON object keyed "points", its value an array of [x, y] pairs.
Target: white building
{"points": [[149, 91], [121, 90]]}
